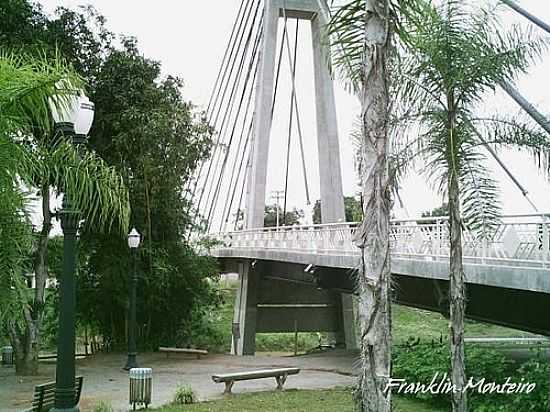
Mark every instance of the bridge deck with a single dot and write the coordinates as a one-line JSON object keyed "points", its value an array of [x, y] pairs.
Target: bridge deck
{"points": [[516, 255]]}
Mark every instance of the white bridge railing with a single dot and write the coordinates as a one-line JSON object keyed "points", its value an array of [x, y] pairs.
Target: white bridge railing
{"points": [[519, 240]]}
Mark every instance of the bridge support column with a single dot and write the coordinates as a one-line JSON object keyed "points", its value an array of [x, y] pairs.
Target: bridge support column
{"points": [[332, 198], [349, 323], [245, 311], [255, 206], [330, 173]]}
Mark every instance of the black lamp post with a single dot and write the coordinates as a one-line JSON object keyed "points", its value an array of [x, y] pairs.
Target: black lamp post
{"points": [[134, 239], [73, 116]]}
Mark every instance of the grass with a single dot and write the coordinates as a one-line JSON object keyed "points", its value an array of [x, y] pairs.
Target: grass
{"points": [[424, 325], [292, 400]]}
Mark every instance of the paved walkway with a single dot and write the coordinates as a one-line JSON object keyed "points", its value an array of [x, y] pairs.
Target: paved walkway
{"points": [[105, 380]]}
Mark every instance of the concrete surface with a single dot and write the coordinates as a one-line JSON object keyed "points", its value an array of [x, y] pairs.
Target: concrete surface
{"points": [[105, 380]]}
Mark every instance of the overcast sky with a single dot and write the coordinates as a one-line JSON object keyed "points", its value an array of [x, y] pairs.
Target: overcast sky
{"points": [[189, 38]]}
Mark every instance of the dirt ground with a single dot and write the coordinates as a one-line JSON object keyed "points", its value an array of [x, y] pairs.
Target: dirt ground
{"points": [[104, 378]]}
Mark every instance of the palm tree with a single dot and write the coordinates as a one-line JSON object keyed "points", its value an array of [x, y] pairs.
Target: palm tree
{"points": [[455, 54], [27, 88], [361, 35]]}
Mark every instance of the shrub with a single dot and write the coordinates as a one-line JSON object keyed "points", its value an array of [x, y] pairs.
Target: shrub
{"points": [[103, 406], [538, 400], [184, 395], [420, 363]]}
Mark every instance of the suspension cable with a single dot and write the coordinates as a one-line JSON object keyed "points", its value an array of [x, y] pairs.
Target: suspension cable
{"points": [[522, 189], [240, 148], [531, 17], [233, 188], [298, 122], [290, 124], [249, 139], [214, 158], [223, 70], [222, 157], [225, 56], [213, 205], [242, 190]]}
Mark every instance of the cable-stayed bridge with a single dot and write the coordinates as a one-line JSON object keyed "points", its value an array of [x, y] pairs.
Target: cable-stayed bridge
{"points": [[301, 278]]}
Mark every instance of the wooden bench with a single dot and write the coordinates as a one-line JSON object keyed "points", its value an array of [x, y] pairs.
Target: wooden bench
{"points": [[280, 376], [44, 395], [197, 352]]}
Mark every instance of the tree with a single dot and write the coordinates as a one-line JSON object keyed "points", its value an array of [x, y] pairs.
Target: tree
{"points": [[362, 34], [455, 55], [155, 140], [292, 217], [441, 211], [352, 208], [27, 87]]}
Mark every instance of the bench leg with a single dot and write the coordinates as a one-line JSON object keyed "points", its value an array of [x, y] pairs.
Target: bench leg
{"points": [[280, 381], [228, 386]]}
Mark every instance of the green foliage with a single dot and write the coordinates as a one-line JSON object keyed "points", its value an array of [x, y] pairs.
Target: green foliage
{"points": [[103, 406], [145, 138], [94, 188], [15, 234], [284, 342], [345, 34], [173, 295], [352, 207], [455, 54], [420, 364], [26, 86], [539, 400], [292, 217], [441, 211], [185, 395]]}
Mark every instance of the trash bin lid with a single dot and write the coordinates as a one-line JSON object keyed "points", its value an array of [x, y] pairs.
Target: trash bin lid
{"points": [[141, 373]]}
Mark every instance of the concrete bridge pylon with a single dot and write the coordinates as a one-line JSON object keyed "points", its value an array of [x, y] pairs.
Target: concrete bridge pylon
{"points": [[306, 309]]}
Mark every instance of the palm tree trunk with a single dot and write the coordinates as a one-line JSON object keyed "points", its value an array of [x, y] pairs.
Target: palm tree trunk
{"points": [[457, 298], [374, 275]]}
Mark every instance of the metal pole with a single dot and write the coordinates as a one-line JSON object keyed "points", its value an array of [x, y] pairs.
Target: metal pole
{"points": [[525, 105], [532, 18], [277, 195], [65, 367], [132, 347], [66, 339], [505, 168]]}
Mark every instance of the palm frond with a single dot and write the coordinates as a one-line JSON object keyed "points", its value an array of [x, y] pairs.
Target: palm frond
{"points": [[516, 133], [95, 189], [481, 207], [28, 86]]}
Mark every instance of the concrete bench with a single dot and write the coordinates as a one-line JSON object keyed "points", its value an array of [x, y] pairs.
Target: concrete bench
{"points": [[44, 395], [190, 351], [280, 376]]}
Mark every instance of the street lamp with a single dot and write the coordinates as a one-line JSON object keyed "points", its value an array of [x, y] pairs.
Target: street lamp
{"points": [[73, 115], [134, 239]]}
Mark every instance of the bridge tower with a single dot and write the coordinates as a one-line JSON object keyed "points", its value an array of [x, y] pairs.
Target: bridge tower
{"points": [[264, 304]]}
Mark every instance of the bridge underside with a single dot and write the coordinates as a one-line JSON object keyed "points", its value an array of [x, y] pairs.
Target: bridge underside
{"points": [[280, 297], [284, 297]]}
